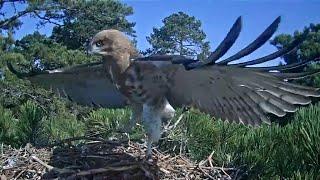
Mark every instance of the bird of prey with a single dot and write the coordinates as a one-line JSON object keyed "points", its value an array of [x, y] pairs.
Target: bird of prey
{"points": [[155, 85]]}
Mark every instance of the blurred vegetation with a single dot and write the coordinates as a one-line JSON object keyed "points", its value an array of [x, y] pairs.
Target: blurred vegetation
{"points": [[30, 114]]}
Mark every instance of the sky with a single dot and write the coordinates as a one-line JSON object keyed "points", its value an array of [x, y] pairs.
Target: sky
{"points": [[217, 17]]}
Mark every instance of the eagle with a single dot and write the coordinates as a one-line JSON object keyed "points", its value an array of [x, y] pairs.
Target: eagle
{"points": [[154, 86]]}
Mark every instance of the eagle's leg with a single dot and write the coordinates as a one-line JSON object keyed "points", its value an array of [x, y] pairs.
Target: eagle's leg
{"points": [[149, 148], [152, 116], [152, 123]]}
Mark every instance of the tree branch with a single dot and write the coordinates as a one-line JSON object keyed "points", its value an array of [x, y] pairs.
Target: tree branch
{"points": [[46, 18], [34, 11], [5, 22]]}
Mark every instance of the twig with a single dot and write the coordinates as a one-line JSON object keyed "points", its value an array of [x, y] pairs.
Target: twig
{"points": [[102, 170], [222, 169], [168, 127], [201, 163], [82, 138], [204, 172], [46, 19], [35, 158], [164, 170], [91, 139], [165, 157], [21, 172], [210, 158], [96, 157], [178, 121]]}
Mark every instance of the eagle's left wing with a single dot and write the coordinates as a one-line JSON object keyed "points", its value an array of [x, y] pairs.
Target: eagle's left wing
{"points": [[85, 84]]}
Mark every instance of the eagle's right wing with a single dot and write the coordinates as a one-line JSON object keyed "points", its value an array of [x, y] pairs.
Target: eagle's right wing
{"points": [[241, 95], [86, 84]]}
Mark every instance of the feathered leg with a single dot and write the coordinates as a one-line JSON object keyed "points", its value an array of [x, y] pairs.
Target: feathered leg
{"points": [[152, 116], [152, 123]]}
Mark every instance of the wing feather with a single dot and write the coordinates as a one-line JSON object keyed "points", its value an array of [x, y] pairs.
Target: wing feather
{"points": [[246, 108], [236, 94], [84, 84]]}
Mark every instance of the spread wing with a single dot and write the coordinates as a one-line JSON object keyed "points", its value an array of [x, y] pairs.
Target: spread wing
{"points": [[235, 92], [84, 84]]}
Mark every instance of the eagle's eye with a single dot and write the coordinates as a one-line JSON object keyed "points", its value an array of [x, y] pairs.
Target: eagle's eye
{"points": [[99, 43]]}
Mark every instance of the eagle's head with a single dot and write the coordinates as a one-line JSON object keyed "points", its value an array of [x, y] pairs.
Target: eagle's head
{"points": [[112, 43]]}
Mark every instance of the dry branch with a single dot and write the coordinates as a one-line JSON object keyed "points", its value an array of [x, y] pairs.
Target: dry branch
{"points": [[102, 159]]}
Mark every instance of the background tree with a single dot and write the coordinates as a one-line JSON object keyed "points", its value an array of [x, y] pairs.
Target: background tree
{"points": [[44, 53], [309, 49], [83, 19], [75, 21], [181, 34]]}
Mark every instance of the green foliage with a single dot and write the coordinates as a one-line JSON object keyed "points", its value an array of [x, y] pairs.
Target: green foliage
{"points": [[308, 50], [11, 57], [202, 129], [83, 19], [268, 152], [7, 124], [306, 175], [108, 122], [181, 34], [42, 52], [310, 135], [313, 81], [75, 21], [61, 127], [29, 123], [38, 116]]}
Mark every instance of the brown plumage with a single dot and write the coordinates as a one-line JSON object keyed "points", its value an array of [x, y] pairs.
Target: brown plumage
{"points": [[140, 82], [152, 85]]}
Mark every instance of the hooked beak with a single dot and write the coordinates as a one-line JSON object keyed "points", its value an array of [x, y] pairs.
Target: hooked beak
{"points": [[88, 44], [89, 47], [93, 49]]}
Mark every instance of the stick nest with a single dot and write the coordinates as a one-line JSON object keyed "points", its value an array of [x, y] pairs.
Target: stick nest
{"points": [[97, 159]]}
